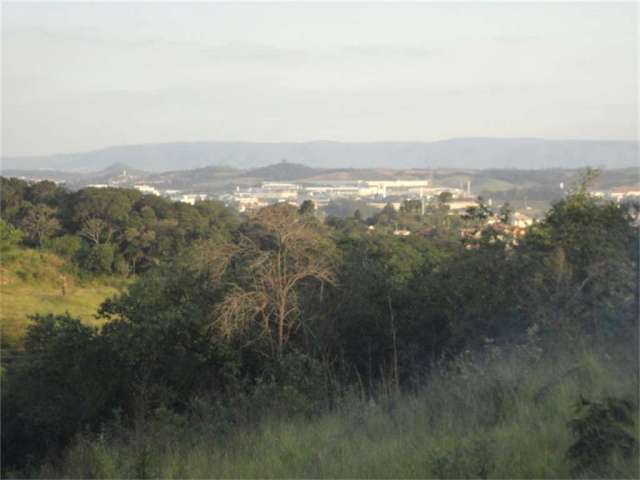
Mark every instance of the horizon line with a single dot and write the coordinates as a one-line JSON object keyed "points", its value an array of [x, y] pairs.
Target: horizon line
{"points": [[301, 142]]}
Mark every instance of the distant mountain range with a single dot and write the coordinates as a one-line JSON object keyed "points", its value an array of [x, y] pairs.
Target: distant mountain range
{"points": [[470, 153]]}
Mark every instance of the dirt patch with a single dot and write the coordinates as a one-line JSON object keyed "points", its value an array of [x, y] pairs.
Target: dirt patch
{"points": [[6, 278]]}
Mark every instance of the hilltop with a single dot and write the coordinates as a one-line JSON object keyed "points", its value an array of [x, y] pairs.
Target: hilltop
{"points": [[283, 171]]}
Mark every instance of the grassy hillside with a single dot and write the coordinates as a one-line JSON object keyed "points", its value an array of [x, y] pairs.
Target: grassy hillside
{"points": [[499, 415], [32, 282]]}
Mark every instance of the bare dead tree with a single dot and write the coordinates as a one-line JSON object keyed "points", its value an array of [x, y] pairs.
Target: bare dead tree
{"points": [[283, 251], [95, 230]]}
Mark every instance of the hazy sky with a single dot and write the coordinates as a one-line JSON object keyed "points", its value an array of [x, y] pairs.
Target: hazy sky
{"points": [[84, 76]]}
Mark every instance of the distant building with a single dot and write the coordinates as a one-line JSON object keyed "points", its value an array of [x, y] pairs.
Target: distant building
{"points": [[520, 220], [148, 189], [192, 198], [340, 191], [280, 187], [385, 187], [381, 205], [458, 205], [621, 193], [248, 203]]}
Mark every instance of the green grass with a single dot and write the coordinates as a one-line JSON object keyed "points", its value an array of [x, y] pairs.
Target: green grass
{"points": [[483, 418], [31, 282]]}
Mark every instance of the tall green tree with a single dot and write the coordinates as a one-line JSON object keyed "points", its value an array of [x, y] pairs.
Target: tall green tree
{"points": [[582, 260]]}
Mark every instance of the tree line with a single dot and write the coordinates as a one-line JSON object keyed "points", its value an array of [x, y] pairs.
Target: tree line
{"points": [[107, 230]]}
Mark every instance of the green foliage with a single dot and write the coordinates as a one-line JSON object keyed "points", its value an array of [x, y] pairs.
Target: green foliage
{"points": [[505, 213], [387, 216], [112, 205], [142, 229], [411, 206], [582, 261], [13, 194], [97, 258], [375, 273], [233, 326], [67, 246], [601, 430], [120, 265], [65, 379], [344, 208], [40, 223], [10, 238], [307, 207], [480, 213], [440, 431], [445, 197]]}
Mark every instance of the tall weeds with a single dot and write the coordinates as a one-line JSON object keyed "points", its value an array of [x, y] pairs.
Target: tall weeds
{"points": [[495, 414]]}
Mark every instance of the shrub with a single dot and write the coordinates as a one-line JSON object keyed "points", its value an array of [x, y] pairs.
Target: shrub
{"points": [[98, 258], [600, 431], [120, 265], [66, 246], [66, 379], [10, 237]]}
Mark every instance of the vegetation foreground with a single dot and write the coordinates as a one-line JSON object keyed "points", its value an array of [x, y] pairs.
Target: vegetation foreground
{"points": [[279, 344], [496, 415]]}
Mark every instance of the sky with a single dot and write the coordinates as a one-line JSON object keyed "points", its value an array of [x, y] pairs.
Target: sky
{"points": [[82, 76]]}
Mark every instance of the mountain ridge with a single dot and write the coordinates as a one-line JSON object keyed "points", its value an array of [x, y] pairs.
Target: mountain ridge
{"points": [[468, 152]]}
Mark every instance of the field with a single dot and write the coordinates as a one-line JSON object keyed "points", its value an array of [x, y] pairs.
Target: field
{"points": [[32, 282]]}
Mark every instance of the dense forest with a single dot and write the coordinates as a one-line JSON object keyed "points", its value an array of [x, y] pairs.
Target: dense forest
{"points": [[311, 343]]}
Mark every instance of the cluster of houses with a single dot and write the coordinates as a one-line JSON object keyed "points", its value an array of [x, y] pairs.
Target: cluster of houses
{"points": [[511, 231], [618, 194]]}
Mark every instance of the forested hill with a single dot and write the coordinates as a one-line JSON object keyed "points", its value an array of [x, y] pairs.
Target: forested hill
{"points": [[476, 153]]}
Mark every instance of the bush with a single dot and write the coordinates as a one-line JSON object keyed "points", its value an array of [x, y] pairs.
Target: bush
{"points": [[98, 258], [66, 246], [440, 432], [600, 431], [120, 265], [67, 379], [10, 238]]}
